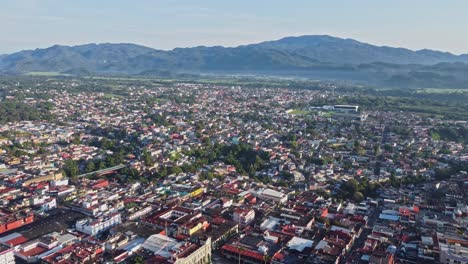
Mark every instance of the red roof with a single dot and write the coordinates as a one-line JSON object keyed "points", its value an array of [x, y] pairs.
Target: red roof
{"points": [[7, 190], [121, 257], [324, 213], [404, 211], [177, 136], [181, 237], [16, 241], [218, 221], [130, 199], [278, 256], [243, 252], [232, 191], [33, 251]]}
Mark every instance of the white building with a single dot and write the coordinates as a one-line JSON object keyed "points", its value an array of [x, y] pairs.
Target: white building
{"points": [[162, 245], [175, 251], [346, 108], [95, 226], [46, 202], [6, 255], [299, 244], [272, 195], [32, 251], [49, 204], [453, 250], [244, 216], [140, 213], [61, 182]]}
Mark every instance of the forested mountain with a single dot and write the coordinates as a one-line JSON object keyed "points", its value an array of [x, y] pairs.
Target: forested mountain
{"points": [[320, 57]]}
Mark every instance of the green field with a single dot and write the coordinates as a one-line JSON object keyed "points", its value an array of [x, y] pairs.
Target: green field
{"points": [[298, 112], [111, 95], [46, 74], [325, 114], [122, 78], [442, 90]]}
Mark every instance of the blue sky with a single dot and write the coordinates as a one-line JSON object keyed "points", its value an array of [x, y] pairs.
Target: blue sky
{"points": [[165, 24]]}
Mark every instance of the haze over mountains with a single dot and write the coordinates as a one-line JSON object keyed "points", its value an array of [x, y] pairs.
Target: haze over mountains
{"points": [[318, 57]]}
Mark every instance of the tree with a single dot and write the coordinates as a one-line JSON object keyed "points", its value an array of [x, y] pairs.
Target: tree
{"points": [[162, 172], [206, 175], [358, 197], [101, 165], [138, 260], [71, 168], [359, 150], [90, 167], [323, 193], [175, 170], [350, 186], [377, 150], [110, 161], [147, 158], [76, 140], [41, 151]]}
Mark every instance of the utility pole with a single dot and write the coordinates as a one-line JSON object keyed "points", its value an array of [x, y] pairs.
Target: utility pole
{"points": [[240, 248]]}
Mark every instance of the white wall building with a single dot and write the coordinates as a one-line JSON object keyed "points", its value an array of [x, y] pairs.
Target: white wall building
{"points": [[6, 255], [244, 216], [453, 250], [272, 195], [172, 250], [95, 226]]}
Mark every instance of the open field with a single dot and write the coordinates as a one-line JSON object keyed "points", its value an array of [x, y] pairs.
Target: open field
{"points": [[442, 90], [111, 95], [431, 106], [46, 74], [298, 112]]}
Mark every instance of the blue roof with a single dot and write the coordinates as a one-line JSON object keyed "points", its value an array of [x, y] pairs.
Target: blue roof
{"points": [[389, 217], [132, 244]]}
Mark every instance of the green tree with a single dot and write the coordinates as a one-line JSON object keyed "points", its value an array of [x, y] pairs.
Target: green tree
{"points": [[101, 165], [161, 173], [71, 168], [90, 166], [138, 260], [175, 170], [147, 158], [358, 197]]}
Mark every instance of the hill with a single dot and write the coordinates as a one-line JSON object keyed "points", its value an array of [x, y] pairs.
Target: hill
{"points": [[319, 57], [349, 51]]}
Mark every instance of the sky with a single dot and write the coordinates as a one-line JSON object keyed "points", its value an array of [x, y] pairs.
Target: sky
{"points": [[167, 24]]}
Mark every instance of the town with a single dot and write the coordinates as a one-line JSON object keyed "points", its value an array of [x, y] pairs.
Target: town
{"points": [[138, 171]]}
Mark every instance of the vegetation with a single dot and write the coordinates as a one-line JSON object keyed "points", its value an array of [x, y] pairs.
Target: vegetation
{"points": [[298, 112], [34, 73], [306, 56], [456, 133], [14, 110], [407, 180], [242, 156], [451, 108], [70, 168], [357, 190]]}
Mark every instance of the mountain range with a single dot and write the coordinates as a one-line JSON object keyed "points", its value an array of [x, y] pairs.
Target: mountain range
{"points": [[318, 57]]}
